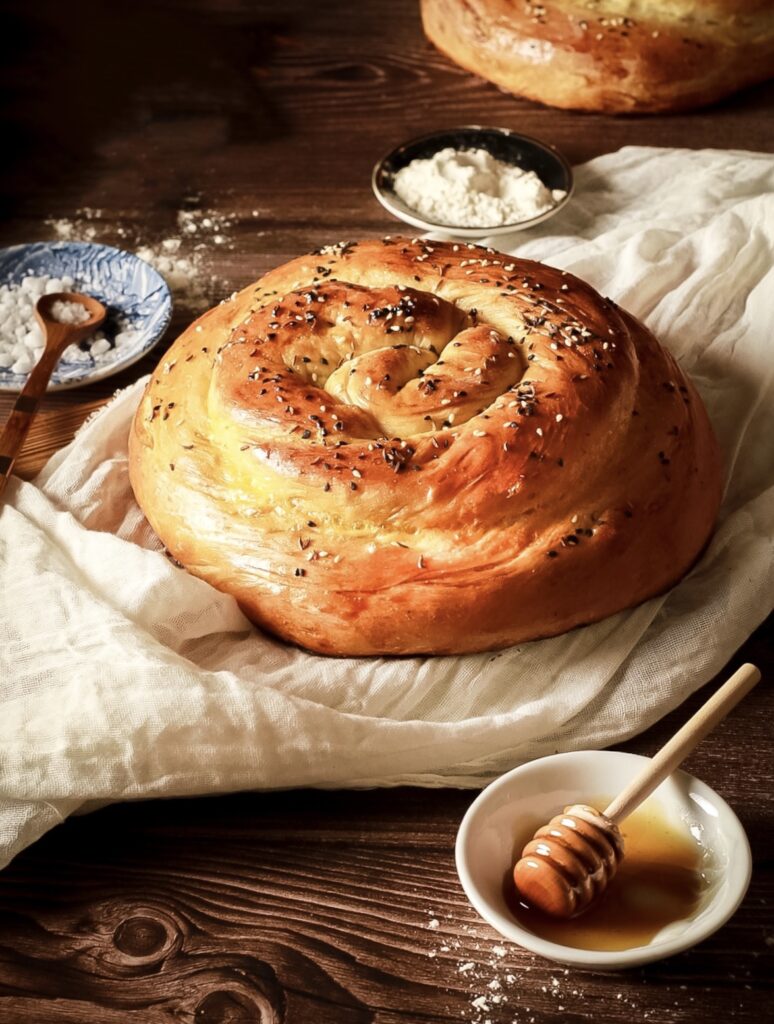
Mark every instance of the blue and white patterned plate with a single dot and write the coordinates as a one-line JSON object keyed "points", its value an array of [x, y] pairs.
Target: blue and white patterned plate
{"points": [[133, 291]]}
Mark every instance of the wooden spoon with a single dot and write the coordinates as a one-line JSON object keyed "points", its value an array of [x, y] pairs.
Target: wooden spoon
{"points": [[57, 337], [569, 862]]}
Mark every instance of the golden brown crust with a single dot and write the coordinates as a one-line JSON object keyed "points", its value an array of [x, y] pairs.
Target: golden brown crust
{"points": [[616, 56], [395, 446]]}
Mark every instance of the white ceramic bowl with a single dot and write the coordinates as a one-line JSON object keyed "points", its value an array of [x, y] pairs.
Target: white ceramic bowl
{"points": [[534, 792]]}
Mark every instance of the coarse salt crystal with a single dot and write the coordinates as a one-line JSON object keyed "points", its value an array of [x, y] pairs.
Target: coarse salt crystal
{"points": [[34, 338], [69, 312], [22, 365], [21, 339]]}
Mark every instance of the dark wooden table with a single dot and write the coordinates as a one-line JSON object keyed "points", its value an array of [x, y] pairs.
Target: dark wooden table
{"points": [[300, 907]]}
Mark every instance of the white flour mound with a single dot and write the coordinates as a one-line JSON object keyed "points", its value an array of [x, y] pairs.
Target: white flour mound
{"points": [[471, 188]]}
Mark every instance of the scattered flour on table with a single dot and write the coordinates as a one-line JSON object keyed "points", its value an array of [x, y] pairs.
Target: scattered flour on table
{"points": [[183, 258], [78, 230], [493, 975], [471, 188], [182, 273]]}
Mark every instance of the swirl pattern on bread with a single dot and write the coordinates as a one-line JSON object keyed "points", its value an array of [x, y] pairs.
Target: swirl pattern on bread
{"points": [[394, 447]]}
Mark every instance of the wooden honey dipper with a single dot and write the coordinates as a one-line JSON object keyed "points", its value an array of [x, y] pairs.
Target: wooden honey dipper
{"points": [[569, 862]]}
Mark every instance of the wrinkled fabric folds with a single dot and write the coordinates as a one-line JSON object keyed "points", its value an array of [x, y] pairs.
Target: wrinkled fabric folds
{"points": [[121, 676]]}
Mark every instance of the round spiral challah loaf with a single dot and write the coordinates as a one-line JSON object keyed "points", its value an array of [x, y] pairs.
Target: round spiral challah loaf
{"points": [[395, 446], [617, 56]]}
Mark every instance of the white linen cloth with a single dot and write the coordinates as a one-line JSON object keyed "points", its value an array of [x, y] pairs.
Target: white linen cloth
{"points": [[122, 676]]}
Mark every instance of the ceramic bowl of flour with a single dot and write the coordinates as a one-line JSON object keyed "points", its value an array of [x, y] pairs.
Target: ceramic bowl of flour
{"points": [[473, 182], [137, 298]]}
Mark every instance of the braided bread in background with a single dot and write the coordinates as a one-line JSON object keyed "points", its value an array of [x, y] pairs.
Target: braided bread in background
{"points": [[616, 56], [395, 446]]}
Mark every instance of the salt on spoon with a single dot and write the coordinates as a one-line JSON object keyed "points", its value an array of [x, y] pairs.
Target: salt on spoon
{"points": [[569, 862], [65, 319]]}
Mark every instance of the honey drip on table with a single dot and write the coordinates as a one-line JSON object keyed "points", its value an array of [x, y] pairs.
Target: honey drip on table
{"points": [[661, 880]]}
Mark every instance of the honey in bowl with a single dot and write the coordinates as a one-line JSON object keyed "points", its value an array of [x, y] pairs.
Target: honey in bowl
{"points": [[662, 879]]}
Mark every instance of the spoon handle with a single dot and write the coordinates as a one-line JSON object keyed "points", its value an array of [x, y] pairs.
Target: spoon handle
{"points": [[24, 409], [682, 743]]}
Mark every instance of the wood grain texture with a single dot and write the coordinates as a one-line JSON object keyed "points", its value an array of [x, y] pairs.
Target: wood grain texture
{"points": [[316, 908], [301, 907], [307, 907]]}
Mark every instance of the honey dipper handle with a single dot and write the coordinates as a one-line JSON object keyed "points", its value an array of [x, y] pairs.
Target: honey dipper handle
{"points": [[682, 743]]}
